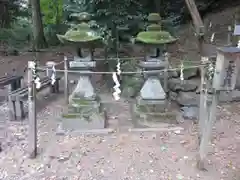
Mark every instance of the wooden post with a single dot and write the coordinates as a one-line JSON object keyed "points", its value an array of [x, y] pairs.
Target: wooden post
{"points": [[197, 20], [66, 84], [203, 99], [166, 72], [207, 130], [211, 112], [32, 114], [229, 37]]}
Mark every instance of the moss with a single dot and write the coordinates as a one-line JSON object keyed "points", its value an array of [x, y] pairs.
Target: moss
{"points": [[142, 108], [154, 17], [82, 101], [70, 116], [154, 27], [79, 33], [155, 37]]}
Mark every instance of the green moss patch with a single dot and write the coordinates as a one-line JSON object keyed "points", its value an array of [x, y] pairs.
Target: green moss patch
{"points": [[82, 101], [70, 116], [79, 33], [155, 37]]}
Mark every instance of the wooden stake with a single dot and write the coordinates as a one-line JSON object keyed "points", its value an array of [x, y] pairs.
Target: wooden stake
{"points": [[197, 20], [66, 84], [207, 130], [166, 73], [207, 124], [203, 98], [32, 114]]}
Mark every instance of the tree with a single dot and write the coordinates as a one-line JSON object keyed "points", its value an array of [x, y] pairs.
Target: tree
{"points": [[39, 40]]}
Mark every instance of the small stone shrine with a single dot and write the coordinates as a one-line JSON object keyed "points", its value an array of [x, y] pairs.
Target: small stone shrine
{"points": [[151, 101], [84, 105]]}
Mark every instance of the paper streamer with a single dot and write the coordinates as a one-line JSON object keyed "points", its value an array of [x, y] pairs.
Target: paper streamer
{"points": [[117, 90], [32, 65], [212, 37], [53, 77], [238, 44], [181, 72]]}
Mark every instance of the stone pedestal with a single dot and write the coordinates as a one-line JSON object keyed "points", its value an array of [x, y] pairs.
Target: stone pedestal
{"points": [[151, 103], [84, 110]]}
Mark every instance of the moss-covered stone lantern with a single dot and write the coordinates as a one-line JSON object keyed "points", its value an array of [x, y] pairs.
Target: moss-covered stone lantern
{"points": [[152, 96], [84, 104]]}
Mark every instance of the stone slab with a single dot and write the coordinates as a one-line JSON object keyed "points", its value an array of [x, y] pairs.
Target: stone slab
{"points": [[236, 30], [87, 58], [96, 121], [158, 64], [229, 49], [152, 90], [82, 64], [141, 101]]}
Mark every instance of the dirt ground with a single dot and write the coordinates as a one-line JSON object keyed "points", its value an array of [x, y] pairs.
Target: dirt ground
{"points": [[125, 155], [121, 155]]}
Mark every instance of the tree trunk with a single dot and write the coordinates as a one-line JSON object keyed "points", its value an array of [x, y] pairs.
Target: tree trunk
{"points": [[4, 14], [39, 40], [158, 4]]}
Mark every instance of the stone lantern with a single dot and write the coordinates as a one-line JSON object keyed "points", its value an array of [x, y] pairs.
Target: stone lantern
{"points": [[152, 96], [84, 105]]}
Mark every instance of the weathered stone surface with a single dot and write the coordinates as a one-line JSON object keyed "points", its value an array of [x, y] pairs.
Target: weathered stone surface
{"points": [[153, 64], [190, 112], [82, 64], [85, 59], [84, 89], [229, 96], [173, 96], [152, 115], [188, 99], [185, 85], [152, 90], [79, 122]]}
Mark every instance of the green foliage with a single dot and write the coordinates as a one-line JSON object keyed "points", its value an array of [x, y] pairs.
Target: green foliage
{"points": [[51, 32], [19, 35], [52, 11]]}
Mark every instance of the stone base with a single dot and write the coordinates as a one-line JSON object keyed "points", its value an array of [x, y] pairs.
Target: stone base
{"points": [[152, 113], [74, 122], [83, 114]]}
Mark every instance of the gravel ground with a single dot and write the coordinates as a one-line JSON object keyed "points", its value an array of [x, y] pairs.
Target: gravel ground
{"points": [[135, 155]]}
